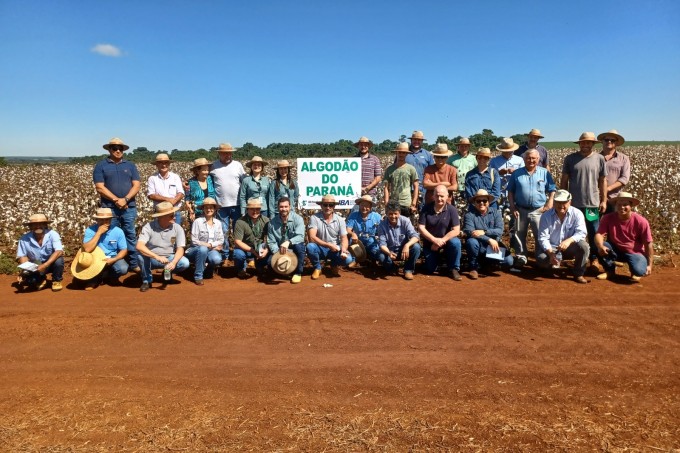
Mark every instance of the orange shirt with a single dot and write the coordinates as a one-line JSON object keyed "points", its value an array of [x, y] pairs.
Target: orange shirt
{"points": [[447, 174]]}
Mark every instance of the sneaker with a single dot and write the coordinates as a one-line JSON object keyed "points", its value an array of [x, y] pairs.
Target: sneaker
{"points": [[581, 279], [41, 286], [353, 265], [335, 271], [606, 276], [145, 287], [56, 286], [242, 274], [474, 275], [520, 261], [251, 264], [635, 278], [456, 275], [316, 274], [408, 275], [199, 282], [297, 278]]}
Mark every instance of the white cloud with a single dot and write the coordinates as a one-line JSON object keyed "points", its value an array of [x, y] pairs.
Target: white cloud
{"points": [[108, 50]]}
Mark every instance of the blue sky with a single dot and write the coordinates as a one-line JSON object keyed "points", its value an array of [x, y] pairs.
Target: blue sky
{"points": [[194, 74]]}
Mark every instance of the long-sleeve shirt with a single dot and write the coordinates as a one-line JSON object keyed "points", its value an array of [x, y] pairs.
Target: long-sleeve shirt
{"points": [[292, 230], [552, 231], [491, 223], [489, 180], [201, 231], [254, 188], [393, 237], [283, 190]]}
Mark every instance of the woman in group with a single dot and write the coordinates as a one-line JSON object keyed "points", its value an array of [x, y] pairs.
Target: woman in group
{"points": [[207, 240], [282, 186], [255, 185], [200, 187]]}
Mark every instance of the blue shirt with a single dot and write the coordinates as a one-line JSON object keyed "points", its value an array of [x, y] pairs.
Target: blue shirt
{"points": [[29, 247], [491, 223], [293, 230], [543, 159], [501, 163], [393, 237], [253, 188], [117, 177], [365, 229], [551, 232], [419, 160], [283, 190], [531, 190], [111, 242], [490, 181]]}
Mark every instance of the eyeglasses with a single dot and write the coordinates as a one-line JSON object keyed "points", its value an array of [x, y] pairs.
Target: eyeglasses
{"points": [[116, 148], [610, 140], [481, 201], [328, 205]]}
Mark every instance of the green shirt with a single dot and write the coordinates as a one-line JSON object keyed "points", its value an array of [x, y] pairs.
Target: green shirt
{"points": [[463, 165], [400, 180], [251, 233]]}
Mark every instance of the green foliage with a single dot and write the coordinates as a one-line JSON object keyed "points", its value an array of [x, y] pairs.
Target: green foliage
{"points": [[3, 162], [8, 265]]}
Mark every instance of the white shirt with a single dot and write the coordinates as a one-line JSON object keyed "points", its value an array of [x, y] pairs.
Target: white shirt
{"points": [[169, 186], [227, 180]]}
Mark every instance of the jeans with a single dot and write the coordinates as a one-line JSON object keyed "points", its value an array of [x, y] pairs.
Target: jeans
{"points": [[409, 265], [125, 220], [317, 253], [241, 258], [148, 264], [112, 272], [528, 218], [577, 250], [452, 251], [372, 248], [36, 278], [637, 262], [299, 250], [228, 215], [476, 253], [200, 255]]}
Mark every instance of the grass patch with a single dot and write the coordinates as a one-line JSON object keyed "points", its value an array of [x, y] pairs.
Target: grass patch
{"points": [[8, 264]]}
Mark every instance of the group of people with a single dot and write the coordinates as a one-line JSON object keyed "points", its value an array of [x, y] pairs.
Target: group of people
{"points": [[426, 196]]}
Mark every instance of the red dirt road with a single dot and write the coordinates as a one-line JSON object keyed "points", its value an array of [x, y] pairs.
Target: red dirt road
{"points": [[506, 363]]}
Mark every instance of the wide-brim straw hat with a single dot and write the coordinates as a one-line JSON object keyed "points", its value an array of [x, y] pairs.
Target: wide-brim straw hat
{"points": [[417, 134], [283, 164], [507, 145], [210, 201], [364, 140], [255, 160], [612, 133], [463, 141], [481, 193], [358, 251], [37, 218], [626, 196], [441, 150], [328, 199], [116, 141], [587, 137], [535, 133], [201, 161], [165, 208], [366, 198], [562, 196], [103, 213], [88, 265], [483, 152], [402, 148], [162, 157], [284, 264], [254, 203], [225, 148]]}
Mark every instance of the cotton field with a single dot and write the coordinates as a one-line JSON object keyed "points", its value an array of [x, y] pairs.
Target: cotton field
{"points": [[65, 193]]}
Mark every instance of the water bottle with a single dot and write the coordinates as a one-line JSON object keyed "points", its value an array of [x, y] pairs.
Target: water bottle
{"points": [[167, 275], [558, 258]]}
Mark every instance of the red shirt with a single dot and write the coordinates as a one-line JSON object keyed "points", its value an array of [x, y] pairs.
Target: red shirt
{"points": [[629, 236], [448, 174]]}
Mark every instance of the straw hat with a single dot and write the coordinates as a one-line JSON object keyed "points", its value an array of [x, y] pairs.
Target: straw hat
{"points": [[103, 213], [256, 159], [587, 137], [535, 132], [328, 199], [88, 265], [612, 133], [417, 134], [284, 264], [165, 208], [484, 152], [37, 218], [507, 145], [283, 164], [225, 148], [481, 193], [562, 196], [210, 201], [364, 140], [464, 141], [254, 203], [402, 148], [358, 251], [116, 141], [626, 196], [441, 150], [162, 157], [201, 161], [366, 198]]}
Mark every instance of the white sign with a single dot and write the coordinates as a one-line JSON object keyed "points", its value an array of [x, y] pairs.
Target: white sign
{"points": [[337, 176]]}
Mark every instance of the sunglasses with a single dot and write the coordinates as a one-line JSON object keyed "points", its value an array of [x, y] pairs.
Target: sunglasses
{"points": [[610, 140], [116, 148], [328, 205], [481, 201], [440, 157]]}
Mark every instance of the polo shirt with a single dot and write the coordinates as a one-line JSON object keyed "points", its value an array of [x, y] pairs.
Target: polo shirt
{"points": [[117, 178], [371, 168], [328, 231], [28, 246], [438, 225], [161, 241], [111, 242]]}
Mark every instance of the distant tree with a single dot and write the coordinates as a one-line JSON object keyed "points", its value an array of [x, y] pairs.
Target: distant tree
{"points": [[520, 139], [3, 162], [485, 139]]}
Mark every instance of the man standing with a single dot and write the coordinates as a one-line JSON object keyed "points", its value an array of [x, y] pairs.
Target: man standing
{"points": [[483, 177], [111, 240], [117, 182], [629, 238], [165, 185], [617, 163], [584, 175], [562, 235], [227, 175], [532, 143], [440, 173], [419, 158], [161, 245], [398, 241], [439, 226], [371, 170], [42, 247], [327, 238], [463, 162], [530, 193], [286, 231], [250, 238], [506, 164], [401, 182]]}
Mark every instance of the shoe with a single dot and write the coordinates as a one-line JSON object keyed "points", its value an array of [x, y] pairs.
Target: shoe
{"points": [[56, 286], [581, 279], [456, 275], [316, 274], [353, 265], [41, 286], [145, 287], [635, 278], [199, 282], [242, 274], [297, 278], [606, 276], [520, 261], [135, 269], [474, 275], [335, 271], [408, 275], [251, 264]]}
